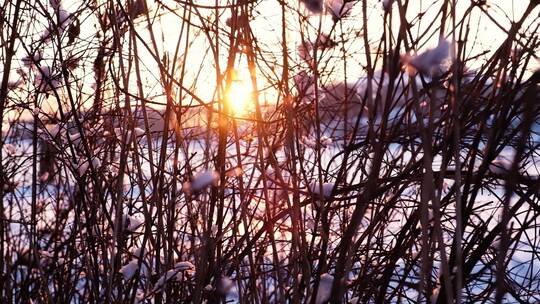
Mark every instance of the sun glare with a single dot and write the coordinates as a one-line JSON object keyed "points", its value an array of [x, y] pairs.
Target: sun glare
{"points": [[239, 97]]}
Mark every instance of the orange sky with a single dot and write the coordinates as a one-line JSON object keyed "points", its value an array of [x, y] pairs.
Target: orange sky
{"points": [[267, 28]]}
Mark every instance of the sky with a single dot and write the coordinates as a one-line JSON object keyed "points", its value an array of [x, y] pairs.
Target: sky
{"points": [[488, 33], [266, 25]]}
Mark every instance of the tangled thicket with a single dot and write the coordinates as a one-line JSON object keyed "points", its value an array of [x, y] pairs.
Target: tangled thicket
{"points": [[379, 154]]}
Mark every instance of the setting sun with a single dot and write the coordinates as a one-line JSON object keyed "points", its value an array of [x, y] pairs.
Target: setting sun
{"points": [[238, 97]]}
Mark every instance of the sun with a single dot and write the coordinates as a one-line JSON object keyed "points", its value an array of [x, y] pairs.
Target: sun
{"points": [[239, 97]]}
